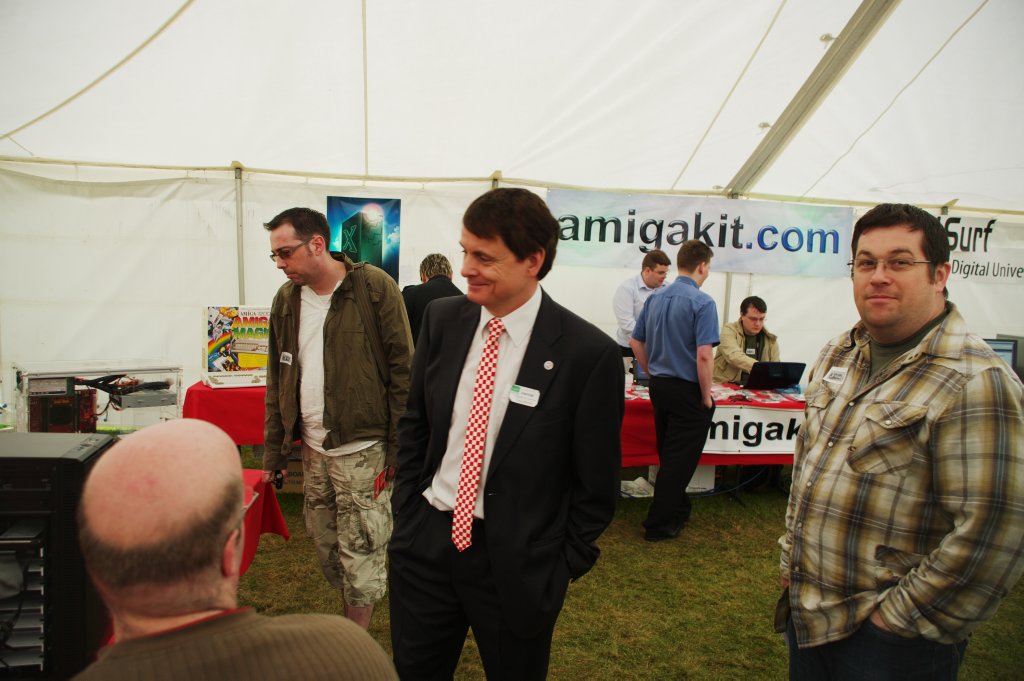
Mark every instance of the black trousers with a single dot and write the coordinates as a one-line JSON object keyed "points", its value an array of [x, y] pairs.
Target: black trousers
{"points": [[876, 654], [438, 593], [681, 423]]}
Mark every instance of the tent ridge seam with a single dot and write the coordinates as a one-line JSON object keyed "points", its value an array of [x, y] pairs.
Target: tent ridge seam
{"points": [[483, 179], [127, 58]]}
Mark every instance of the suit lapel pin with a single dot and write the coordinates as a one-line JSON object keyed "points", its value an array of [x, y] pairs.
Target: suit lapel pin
{"points": [[549, 365]]}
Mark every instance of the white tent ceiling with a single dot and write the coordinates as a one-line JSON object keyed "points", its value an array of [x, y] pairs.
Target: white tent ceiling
{"points": [[121, 218], [651, 95]]}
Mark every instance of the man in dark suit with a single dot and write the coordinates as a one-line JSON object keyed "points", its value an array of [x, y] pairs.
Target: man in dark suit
{"points": [[497, 555], [435, 282]]}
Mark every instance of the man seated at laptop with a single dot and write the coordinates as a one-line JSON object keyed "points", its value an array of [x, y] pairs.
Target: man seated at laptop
{"points": [[744, 342]]}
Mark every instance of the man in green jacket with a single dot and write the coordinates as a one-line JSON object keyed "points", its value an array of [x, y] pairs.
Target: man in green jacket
{"points": [[337, 378]]}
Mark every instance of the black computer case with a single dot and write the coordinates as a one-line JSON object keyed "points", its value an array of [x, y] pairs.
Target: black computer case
{"points": [[52, 621]]}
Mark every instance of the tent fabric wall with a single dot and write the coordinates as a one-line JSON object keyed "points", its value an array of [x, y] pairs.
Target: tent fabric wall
{"points": [[125, 269], [95, 271]]}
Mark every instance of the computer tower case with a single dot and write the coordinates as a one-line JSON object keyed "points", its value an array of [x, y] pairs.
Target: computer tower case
{"points": [[52, 621]]}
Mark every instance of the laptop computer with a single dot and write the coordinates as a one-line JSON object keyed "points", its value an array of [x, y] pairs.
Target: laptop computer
{"points": [[774, 375], [640, 377]]}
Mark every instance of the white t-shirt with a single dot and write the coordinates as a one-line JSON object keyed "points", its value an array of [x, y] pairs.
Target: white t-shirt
{"points": [[311, 369]]}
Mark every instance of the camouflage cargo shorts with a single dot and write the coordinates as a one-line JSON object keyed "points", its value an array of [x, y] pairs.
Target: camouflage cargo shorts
{"points": [[349, 527]]}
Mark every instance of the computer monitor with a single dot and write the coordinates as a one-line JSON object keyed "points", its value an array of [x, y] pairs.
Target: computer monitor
{"points": [[1006, 348], [1018, 366]]}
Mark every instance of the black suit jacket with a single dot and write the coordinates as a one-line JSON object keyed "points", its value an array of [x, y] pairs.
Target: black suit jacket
{"points": [[417, 297], [554, 474]]}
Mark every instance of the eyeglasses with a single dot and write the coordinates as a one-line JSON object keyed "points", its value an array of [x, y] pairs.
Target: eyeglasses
{"points": [[869, 265], [287, 251]]}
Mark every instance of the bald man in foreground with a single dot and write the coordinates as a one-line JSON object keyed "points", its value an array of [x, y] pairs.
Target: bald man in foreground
{"points": [[160, 526]]}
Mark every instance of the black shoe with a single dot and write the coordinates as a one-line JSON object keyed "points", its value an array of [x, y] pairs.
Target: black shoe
{"points": [[662, 535]]}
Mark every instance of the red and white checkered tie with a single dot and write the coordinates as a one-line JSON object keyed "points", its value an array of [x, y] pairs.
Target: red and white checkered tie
{"points": [[476, 435]]}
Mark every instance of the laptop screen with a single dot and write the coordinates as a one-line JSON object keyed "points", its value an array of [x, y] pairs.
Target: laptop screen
{"points": [[774, 375], [639, 374]]}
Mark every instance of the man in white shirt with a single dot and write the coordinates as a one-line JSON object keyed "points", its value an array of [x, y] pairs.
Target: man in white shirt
{"points": [[629, 298], [509, 455]]}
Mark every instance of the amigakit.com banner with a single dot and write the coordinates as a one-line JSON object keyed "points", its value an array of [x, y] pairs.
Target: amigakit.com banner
{"points": [[604, 229]]}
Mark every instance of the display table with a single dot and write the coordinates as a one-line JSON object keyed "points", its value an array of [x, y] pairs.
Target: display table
{"points": [[262, 515], [750, 427], [236, 411]]}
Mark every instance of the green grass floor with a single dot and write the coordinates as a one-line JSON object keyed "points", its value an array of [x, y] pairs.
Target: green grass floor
{"points": [[696, 607]]}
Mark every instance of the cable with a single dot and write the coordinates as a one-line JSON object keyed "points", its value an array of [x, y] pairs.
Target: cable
{"points": [[716, 491], [121, 384]]}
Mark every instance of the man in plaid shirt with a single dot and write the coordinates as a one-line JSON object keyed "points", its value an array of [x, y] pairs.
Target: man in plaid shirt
{"points": [[905, 525]]}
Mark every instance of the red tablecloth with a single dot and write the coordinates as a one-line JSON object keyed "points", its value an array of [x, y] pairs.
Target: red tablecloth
{"points": [[236, 411], [640, 446], [239, 412], [262, 516]]}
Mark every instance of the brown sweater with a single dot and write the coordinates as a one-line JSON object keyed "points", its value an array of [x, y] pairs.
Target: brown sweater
{"points": [[244, 645]]}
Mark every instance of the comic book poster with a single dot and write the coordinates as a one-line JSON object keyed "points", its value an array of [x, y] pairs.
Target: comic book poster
{"points": [[237, 338], [366, 229]]}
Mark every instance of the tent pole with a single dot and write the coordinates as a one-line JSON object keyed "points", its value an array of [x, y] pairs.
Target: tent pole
{"points": [[239, 241], [728, 296], [858, 32]]}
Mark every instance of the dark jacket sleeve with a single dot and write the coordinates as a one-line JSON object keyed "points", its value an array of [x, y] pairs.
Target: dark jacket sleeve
{"points": [[413, 427], [397, 342], [596, 458], [275, 457]]}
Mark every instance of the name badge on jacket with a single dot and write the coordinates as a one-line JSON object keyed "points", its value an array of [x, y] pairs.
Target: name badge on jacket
{"points": [[528, 397]]}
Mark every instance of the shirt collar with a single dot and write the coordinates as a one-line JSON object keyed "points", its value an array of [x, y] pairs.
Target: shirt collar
{"points": [[945, 340], [642, 285], [310, 294], [683, 279], [519, 322]]}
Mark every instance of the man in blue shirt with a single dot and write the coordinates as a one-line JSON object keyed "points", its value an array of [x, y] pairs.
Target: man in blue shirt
{"points": [[674, 340]]}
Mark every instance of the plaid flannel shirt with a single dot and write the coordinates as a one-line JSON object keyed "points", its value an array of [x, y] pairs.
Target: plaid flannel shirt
{"points": [[908, 489]]}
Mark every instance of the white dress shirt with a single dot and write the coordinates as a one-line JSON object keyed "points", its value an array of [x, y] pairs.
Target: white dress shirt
{"points": [[511, 349], [626, 304]]}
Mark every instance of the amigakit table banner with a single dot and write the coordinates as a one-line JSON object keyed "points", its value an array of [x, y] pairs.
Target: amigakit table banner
{"points": [[604, 229], [753, 430]]}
